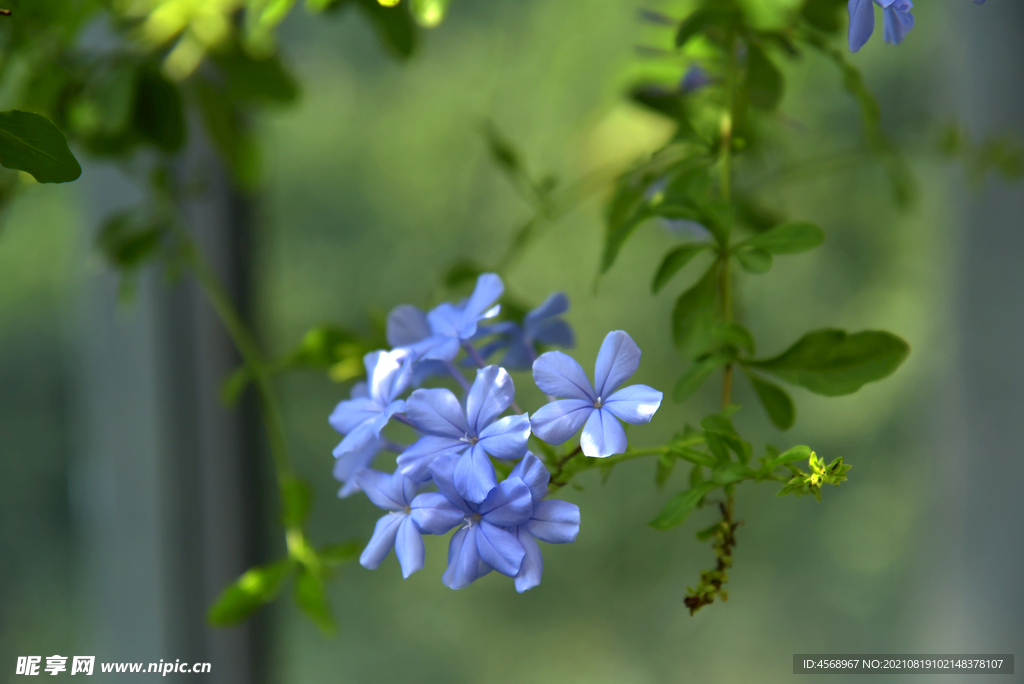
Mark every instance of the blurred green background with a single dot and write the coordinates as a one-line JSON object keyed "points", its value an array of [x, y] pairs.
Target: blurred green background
{"points": [[379, 179]]}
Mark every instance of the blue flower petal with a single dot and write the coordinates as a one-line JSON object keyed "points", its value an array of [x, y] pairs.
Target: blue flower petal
{"points": [[436, 412], [463, 559], [554, 521], [635, 404], [415, 461], [351, 413], [492, 392], [534, 474], [556, 422], [488, 290], [557, 333], [603, 435], [407, 325], [388, 374], [532, 567], [348, 464], [474, 474], [383, 489], [443, 473], [616, 362], [862, 23], [499, 548], [434, 514], [409, 547], [507, 505], [559, 375], [896, 25], [384, 533], [556, 304], [506, 438]]}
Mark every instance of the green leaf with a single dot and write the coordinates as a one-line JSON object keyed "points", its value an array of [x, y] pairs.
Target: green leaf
{"points": [[297, 500], [31, 143], [797, 453], [395, 27], [462, 272], [666, 464], [696, 375], [824, 15], [126, 244], [159, 115], [693, 313], [832, 362], [754, 260], [695, 457], [668, 103], [764, 80], [776, 402], [340, 554], [428, 13], [789, 238], [250, 591], [227, 131], [255, 79], [674, 261], [715, 23], [312, 599], [735, 335], [730, 472], [680, 506]]}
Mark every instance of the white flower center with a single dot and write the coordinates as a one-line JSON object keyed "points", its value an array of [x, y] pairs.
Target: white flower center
{"points": [[469, 439], [599, 402]]}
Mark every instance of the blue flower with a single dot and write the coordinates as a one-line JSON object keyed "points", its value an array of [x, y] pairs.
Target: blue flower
{"points": [[598, 405], [393, 493], [439, 334], [471, 433], [552, 521], [543, 324], [349, 463], [362, 417], [898, 21], [484, 542], [694, 79]]}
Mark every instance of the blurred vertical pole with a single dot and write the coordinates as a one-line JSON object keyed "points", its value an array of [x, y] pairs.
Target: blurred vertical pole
{"points": [[171, 485], [980, 549]]}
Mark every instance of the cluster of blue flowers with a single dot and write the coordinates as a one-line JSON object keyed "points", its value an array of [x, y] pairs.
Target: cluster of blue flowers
{"points": [[896, 16], [498, 523]]}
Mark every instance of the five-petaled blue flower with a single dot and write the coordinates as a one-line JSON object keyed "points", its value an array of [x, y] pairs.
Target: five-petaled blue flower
{"points": [[362, 417], [471, 434], [393, 493], [484, 541], [351, 462], [544, 324], [597, 405], [440, 333], [897, 16], [552, 521]]}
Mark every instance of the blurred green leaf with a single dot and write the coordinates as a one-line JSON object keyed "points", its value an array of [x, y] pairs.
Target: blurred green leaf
{"points": [[461, 273], [776, 402], [695, 456], [312, 599], [754, 260], [764, 80], [680, 506], [31, 143], [696, 375], [249, 78], [297, 500], [789, 238], [824, 15], [126, 243], [340, 554], [693, 313], [833, 362], [674, 261], [159, 115], [735, 335], [715, 23], [250, 591], [228, 131], [428, 13]]}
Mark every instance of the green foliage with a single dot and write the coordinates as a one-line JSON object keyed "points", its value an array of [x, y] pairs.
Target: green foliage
{"points": [[788, 238], [776, 402], [296, 502], [250, 591], [674, 261], [810, 483], [832, 362], [311, 596], [681, 505], [31, 143], [692, 315]]}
